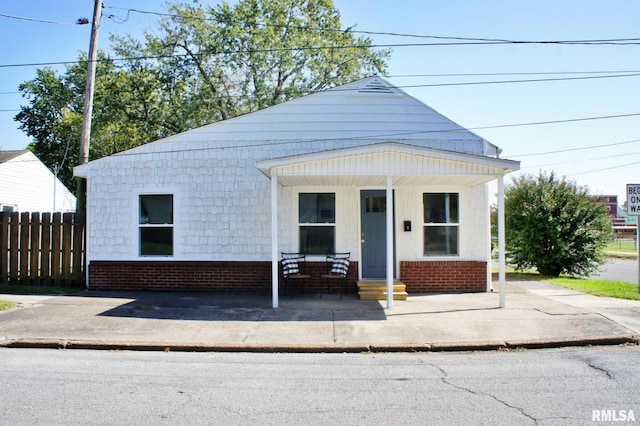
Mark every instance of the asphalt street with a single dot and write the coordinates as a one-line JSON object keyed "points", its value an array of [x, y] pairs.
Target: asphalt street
{"points": [[618, 270], [531, 387]]}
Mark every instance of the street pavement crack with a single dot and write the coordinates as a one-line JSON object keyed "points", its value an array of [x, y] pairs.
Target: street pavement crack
{"points": [[600, 369], [333, 326], [445, 380], [255, 326]]}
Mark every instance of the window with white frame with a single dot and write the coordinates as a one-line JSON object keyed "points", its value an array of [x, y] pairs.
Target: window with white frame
{"points": [[317, 222], [441, 224], [155, 223]]}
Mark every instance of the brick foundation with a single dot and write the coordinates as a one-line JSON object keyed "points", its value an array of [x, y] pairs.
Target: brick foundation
{"points": [[204, 276], [444, 276], [418, 276]]}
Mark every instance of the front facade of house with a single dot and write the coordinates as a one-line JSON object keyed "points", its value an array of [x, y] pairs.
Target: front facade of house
{"points": [[362, 168]]}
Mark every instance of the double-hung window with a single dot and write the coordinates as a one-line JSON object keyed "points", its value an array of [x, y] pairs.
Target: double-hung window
{"points": [[155, 223], [441, 224], [317, 222]]}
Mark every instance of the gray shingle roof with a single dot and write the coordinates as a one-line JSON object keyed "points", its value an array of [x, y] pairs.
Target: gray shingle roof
{"points": [[9, 155]]}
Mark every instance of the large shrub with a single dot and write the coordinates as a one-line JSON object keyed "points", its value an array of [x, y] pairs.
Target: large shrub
{"points": [[555, 226]]}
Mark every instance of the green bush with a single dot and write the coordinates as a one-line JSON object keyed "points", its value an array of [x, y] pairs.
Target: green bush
{"points": [[555, 226]]}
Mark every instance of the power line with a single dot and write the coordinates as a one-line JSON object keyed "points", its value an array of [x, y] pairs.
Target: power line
{"points": [[571, 120], [581, 160], [489, 74], [45, 21], [622, 73], [606, 168], [537, 80], [369, 137], [473, 83], [480, 40], [577, 149]]}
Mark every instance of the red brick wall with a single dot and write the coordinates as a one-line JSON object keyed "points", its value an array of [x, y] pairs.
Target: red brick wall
{"points": [[210, 276], [418, 276], [444, 276]]}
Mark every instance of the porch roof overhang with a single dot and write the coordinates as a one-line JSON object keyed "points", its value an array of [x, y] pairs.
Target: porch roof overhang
{"points": [[371, 164]]}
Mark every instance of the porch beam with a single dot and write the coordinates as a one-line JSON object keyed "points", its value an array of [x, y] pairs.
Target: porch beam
{"points": [[389, 241], [501, 241], [274, 240]]}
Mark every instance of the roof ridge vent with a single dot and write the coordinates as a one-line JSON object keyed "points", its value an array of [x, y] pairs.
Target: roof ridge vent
{"points": [[376, 86]]}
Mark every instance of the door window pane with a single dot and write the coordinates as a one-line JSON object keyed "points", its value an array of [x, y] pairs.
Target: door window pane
{"points": [[375, 204]]}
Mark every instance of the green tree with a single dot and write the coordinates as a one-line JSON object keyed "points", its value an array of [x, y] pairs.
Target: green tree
{"points": [[200, 65], [555, 226], [53, 116]]}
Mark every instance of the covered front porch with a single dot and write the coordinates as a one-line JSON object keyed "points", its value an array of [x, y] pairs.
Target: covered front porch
{"points": [[365, 180]]}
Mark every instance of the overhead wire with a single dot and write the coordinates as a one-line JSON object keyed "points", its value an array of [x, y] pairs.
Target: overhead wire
{"points": [[480, 40], [44, 21], [465, 41], [576, 149], [582, 160]]}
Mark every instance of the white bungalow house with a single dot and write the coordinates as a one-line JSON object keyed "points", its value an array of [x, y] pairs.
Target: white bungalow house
{"points": [[27, 185], [362, 168]]}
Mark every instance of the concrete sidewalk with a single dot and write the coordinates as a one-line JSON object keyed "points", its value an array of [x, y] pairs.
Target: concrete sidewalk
{"points": [[536, 315]]}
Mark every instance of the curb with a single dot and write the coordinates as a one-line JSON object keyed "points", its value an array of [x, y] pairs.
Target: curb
{"points": [[356, 348]]}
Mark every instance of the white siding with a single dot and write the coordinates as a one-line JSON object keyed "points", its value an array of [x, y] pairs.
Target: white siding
{"points": [[222, 200], [223, 206], [473, 219], [27, 183]]}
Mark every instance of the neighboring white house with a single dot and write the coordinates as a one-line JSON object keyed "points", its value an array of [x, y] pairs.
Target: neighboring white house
{"points": [[27, 185], [213, 207]]}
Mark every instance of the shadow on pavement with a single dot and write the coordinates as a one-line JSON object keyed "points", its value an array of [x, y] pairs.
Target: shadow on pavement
{"points": [[213, 306]]}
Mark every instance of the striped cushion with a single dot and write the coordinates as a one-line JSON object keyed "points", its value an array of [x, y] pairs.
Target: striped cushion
{"points": [[290, 267], [340, 267]]}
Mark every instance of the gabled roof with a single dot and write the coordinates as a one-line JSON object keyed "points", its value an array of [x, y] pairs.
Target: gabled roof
{"points": [[370, 108], [367, 111], [10, 155]]}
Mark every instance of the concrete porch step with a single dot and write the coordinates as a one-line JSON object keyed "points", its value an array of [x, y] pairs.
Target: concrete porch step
{"points": [[377, 290]]}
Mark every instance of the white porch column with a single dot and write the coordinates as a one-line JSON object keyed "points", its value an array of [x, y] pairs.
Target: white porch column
{"points": [[501, 240], [489, 249], [274, 240], [389, 242]]}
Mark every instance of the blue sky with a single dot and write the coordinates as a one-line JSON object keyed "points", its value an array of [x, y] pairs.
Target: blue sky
{"points": [[605, 170]]}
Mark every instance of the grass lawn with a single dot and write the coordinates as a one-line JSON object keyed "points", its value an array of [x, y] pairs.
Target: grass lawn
{"points": [[5, 305], [618, 289], [623, 246]]}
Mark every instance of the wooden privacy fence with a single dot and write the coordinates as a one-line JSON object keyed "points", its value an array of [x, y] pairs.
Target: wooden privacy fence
{"points": [[42, 249]]}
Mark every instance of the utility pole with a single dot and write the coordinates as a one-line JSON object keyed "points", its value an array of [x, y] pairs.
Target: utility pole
{"points": [[88, 103]]}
